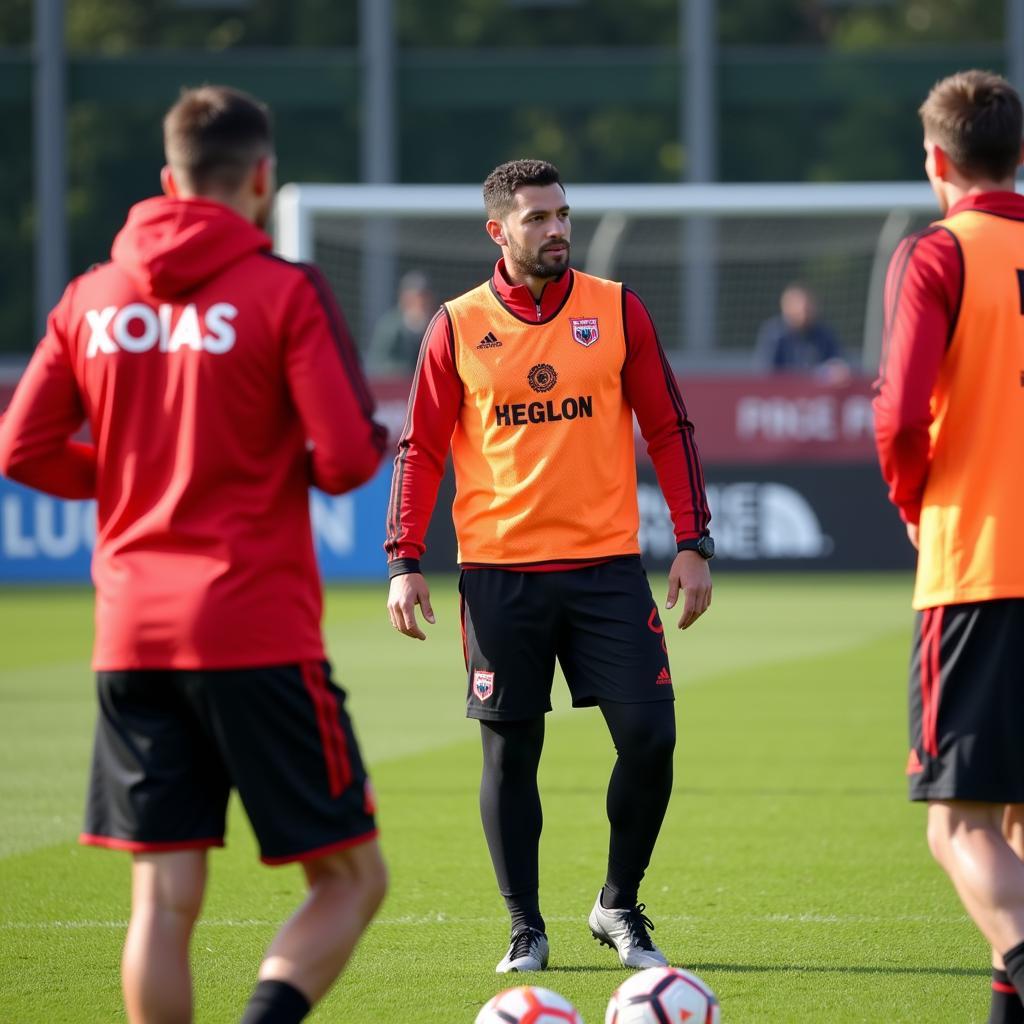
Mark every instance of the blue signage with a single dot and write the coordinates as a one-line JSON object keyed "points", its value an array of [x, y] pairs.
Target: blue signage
{"points": [[51, 539]]}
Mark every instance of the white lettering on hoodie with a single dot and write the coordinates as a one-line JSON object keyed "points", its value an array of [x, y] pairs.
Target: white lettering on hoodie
{"points": [[138, 327]]}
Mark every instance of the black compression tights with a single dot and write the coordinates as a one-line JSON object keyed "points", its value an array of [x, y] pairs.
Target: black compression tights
{"points": [[638, 794], [510, 810]]}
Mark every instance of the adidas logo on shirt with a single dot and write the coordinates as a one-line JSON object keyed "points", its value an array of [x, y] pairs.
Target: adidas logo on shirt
{"points": [[664, 679], [489, 341]]}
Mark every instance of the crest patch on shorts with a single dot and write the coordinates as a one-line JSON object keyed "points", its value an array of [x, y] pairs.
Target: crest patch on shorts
{"points": [[483, 684]]}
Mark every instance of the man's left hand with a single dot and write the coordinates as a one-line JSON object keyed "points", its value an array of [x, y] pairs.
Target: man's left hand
{"points": [[690, 574]]}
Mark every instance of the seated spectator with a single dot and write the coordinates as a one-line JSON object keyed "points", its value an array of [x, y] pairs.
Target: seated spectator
{"points": [[797, 341], [395, 345]]}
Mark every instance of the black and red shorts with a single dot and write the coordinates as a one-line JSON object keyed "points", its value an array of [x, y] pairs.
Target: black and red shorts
{"points": [[600, 623], [967, 703], [170, 746]]}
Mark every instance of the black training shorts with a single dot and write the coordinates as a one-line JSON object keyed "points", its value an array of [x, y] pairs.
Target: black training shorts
{"points": [[967, 703], [170, 745], [600, 622]]}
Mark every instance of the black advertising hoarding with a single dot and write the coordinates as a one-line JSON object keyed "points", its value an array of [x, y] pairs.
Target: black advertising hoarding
{"points": [[787, 516]]}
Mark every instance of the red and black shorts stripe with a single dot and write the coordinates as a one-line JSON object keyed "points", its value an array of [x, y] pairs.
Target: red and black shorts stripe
{"points": [[171, 745], [966, 698]]}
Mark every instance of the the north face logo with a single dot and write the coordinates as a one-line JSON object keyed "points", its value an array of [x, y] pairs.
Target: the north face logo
{"points": [[483, 684], [489, 341], [139, 328]]}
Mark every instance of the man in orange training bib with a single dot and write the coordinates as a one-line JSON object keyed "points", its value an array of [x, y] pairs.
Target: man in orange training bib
{"points": [[950, 434], [532, 379]]}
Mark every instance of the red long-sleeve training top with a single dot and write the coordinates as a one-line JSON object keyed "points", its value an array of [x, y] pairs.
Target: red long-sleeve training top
{"points": [[649, 387], [219, 382]]}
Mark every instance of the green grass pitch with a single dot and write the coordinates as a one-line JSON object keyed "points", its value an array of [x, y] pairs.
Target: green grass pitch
{"points": [[791, 874]]}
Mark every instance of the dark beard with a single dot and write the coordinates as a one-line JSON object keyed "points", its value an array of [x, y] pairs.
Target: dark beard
{"points": [[531, 264]]}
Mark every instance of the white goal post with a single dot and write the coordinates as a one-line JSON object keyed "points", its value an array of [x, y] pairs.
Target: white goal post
{"points": [[744, 240]]}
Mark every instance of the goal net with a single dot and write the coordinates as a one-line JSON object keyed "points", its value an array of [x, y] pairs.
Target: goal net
{"points": [[710, 261]]}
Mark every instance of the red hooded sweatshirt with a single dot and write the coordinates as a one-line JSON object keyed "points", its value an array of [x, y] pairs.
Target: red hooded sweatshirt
{"points": [[218, 382]]}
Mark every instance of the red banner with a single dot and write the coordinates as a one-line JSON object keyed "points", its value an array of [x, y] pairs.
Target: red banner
{"points": [[748, 419]]}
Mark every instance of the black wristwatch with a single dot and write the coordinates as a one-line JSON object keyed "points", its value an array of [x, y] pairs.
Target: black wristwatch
{"points": [[704, 545]]}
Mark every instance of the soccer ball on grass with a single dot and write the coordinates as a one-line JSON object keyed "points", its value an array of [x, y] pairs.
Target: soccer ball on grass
{"points": [[528, 1004], [663, 995]]}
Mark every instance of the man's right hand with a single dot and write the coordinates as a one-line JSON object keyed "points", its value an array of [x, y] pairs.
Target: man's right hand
{"points": [[405, 593]]}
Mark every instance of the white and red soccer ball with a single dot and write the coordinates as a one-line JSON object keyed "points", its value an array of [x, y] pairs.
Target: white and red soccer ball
{"points": [[663, 995], [529, 1004]]}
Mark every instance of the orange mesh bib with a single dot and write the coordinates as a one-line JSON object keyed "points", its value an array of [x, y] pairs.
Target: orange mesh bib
{"points": [[543, 449], [971, 537]]}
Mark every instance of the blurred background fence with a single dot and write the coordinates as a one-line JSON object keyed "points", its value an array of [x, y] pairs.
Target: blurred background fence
{"points": [[398, 90]]}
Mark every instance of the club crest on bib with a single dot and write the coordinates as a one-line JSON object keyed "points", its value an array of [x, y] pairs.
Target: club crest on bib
{"points": [[483, 684], [584, 330]]}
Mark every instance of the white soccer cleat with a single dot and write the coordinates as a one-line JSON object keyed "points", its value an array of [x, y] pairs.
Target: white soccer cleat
{"points": [[528, 951], [625, 931]]}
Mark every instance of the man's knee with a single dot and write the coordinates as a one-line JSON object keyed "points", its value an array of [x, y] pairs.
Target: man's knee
{"points": [[662, 741], [169, 883], [646, 732], [374, 880], [960, 823], [938, 835], [360, 870], [513, 749], [1013, 827]]}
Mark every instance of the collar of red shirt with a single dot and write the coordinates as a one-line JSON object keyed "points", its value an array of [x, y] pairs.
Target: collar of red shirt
{"points": [[1006, 204], [519, 299]]}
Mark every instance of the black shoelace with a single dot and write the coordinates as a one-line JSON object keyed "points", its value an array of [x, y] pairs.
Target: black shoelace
{"points": [[638, 923], [522, 943]]}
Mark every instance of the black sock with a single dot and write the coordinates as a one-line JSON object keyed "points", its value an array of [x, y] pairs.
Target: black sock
{"points": [[276, 1002], [524, 912], [615, 899], [1014, 961], [511, 814], [638, 793], [1006, 1006]]}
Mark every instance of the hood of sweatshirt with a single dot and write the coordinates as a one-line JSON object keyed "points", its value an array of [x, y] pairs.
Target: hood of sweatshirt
{"points": [[171, 246]]}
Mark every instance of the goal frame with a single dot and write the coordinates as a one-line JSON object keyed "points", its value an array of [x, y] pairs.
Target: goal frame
{"points": [[299, 204]]}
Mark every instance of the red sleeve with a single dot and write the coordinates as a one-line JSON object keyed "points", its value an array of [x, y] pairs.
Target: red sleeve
{"points": [[35, 433], [433, 412], [922, 299], [330, 392], [651, 389]]}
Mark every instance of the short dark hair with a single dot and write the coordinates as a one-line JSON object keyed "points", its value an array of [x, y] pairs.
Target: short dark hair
{"points": [[214, 135], [505, 180], [975, 116]]}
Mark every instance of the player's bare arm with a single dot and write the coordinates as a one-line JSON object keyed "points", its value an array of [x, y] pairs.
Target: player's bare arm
{"points": [[690, 574], [407, 591]]}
